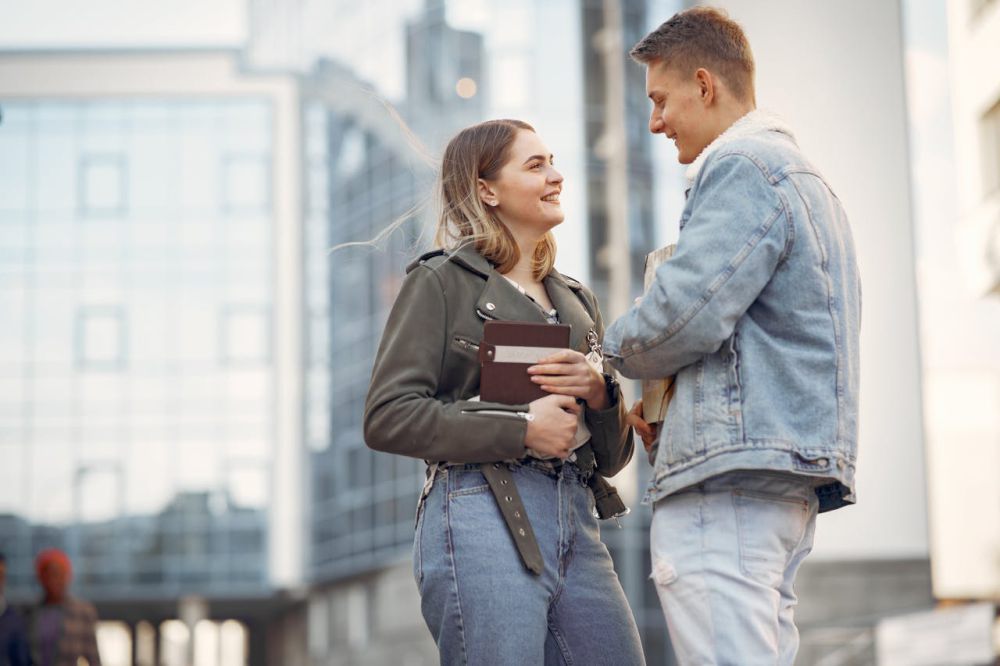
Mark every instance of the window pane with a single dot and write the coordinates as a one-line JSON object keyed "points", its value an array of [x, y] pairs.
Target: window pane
{"points": [[100, 337], [102, 184]]}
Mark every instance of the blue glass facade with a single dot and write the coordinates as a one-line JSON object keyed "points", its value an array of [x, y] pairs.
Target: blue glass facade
{"points": [[136, 373], [364, 175]]}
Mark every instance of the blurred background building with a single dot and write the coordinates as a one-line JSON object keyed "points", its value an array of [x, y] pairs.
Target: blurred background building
{"points": [[184, 363], [149, 345]]}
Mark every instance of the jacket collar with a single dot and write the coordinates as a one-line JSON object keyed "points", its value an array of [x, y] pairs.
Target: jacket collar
{"points": [[754, 122], [466, 256], [501, 300]]}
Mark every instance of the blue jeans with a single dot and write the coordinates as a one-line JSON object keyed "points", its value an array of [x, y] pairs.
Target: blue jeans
{"points": [[480, 603], [725, 553]]}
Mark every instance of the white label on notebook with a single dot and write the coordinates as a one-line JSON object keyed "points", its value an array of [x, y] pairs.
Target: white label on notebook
{"points": [[513, 354]]}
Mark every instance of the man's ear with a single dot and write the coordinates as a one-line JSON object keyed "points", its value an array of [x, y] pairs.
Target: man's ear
{"points": [[706, 85], [486, 193]]}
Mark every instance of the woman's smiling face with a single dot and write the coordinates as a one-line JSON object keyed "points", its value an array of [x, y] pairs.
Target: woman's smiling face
{"points": [[526, 192]]}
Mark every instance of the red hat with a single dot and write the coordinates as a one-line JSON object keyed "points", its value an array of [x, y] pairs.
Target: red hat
{"points": [[50, 555]]}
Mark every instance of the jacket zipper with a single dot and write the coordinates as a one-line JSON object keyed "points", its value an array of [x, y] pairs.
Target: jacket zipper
{"points": [[499, 412], [466, 344]]}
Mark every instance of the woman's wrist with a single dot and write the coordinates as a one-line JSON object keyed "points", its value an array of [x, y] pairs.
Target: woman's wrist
{"points": [[599, 398]]}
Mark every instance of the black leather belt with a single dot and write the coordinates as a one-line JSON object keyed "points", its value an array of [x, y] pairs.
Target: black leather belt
{"points": [[501, 482], [514, 514]]}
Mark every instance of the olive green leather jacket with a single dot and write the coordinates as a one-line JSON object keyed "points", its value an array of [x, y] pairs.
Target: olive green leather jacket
{"points": [[427, 366]]}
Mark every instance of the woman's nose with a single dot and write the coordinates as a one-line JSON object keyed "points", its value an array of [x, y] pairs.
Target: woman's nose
{"points": [[554, 175]]}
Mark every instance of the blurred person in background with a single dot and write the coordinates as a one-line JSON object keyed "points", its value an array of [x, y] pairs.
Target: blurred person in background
{"points": [[63, 629], [757, 314], [13, 637], [507, 551]]}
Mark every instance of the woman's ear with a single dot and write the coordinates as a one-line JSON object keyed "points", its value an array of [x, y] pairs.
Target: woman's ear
{"points": [[486, 194]]}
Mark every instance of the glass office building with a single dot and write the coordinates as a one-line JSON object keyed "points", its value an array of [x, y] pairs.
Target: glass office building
{"points": [[143, 352], [365, 173], [136, 366]]}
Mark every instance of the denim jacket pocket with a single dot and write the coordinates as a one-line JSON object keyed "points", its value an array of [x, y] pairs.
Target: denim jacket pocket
{"points": [[719, 409]]}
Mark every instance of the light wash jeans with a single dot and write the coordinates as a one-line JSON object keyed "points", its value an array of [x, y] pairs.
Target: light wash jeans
{"points": [[725, 553], [480, 603]]}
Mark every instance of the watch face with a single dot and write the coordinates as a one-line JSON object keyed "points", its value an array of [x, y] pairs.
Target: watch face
{"points": [[611, 384]]}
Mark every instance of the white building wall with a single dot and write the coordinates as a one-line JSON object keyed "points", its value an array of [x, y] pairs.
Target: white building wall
{"points": [[963, 375]]}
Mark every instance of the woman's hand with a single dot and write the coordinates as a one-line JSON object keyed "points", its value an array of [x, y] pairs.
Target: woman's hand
{"points": [[567, 373], [647, 432], [552, 430]]}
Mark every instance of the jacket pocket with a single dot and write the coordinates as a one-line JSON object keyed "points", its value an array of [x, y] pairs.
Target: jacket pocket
{"points": [[735, 386], [465, 344]]}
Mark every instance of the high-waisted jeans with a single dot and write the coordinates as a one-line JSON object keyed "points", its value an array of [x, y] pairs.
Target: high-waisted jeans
{"points": [[480, 603]]}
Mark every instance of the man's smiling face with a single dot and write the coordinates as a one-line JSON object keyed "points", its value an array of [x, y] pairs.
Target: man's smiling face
{"points": [[679, 109]]}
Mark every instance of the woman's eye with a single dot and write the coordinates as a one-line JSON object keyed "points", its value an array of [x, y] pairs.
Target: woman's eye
{"points": [[535, 166]]}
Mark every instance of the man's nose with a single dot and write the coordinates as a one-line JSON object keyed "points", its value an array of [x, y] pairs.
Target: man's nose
{"points": [[655, 123]]}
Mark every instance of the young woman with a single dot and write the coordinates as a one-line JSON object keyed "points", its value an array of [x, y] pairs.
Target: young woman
{"points": [[507, 552]]}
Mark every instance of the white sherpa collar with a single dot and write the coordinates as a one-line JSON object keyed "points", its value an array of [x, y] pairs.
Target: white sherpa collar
{"points": [[758, 120]]}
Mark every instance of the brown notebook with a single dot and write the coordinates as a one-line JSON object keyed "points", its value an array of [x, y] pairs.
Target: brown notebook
{"points": [[506, 352]]}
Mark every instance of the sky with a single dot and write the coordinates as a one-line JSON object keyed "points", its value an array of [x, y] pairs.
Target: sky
{"points": [[65, 24]]}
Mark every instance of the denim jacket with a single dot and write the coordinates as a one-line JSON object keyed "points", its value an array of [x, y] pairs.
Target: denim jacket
{"points": [[758, 315]]}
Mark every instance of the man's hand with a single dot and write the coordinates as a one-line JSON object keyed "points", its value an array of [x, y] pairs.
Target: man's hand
{"points": [[647, 432], [568, 373]]}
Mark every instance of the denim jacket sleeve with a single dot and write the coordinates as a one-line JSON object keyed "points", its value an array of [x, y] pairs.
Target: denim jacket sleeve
{"points": [[730, 246], [403, 413], [611, 438]]}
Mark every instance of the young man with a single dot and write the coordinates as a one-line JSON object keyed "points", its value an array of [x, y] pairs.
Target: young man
{"points": [[757, 315]]}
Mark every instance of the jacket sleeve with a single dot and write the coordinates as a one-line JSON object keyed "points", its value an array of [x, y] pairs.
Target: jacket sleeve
{"points": [[403, 414], [726, 254], [611, 439]]}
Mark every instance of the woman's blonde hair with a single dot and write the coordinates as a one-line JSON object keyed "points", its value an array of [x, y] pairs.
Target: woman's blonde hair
{"points": [[480, 151]]}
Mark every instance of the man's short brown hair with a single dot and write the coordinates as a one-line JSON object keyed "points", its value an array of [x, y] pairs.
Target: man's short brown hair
{"points": [[702, 37]]}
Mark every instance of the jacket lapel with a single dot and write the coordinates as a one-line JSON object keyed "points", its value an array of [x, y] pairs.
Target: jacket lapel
{"points": [[501, 300], [571, 310]]}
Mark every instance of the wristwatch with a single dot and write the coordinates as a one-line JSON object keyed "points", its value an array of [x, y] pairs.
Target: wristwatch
{"points": [[611, 385]]}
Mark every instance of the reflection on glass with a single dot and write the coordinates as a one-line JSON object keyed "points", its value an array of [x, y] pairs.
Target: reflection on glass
{"points": [[139, 269]]}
